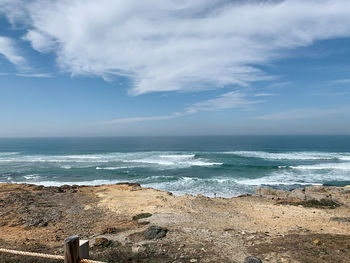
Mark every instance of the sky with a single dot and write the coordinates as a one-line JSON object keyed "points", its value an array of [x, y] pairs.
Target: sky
{"points": [[174, 67]]}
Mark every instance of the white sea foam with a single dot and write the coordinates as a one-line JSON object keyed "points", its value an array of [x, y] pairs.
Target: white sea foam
{"points": [[31, 176], [2, 154], [178, 156], [293, 155], [173, 160], [300, 177], [97, 158], [175, 164], [58, 183], [324, 166], [224, 187], [188, 178], [150, 161], [114, 168], [199, 163], [274, 181]]}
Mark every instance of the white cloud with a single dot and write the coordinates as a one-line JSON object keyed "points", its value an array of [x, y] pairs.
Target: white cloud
{"points": [[39, 41], [34, 75], [340, 81], [177, 45], [228, 100], [305, 114], [8, 50], [140, 119], [264, 94]]}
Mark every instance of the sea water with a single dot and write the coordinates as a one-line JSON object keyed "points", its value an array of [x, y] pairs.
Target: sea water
{"points": [[222, 165]]}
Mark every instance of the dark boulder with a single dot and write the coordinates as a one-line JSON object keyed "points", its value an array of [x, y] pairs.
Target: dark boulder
{"points": [[155, 232]]}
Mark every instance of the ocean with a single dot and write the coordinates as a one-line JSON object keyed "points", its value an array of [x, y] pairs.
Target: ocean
{"points": [[222, 165]]}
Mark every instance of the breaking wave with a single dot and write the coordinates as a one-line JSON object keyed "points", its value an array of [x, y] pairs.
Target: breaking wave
{"points": [[324, 166], [222, 173], [293, 155]]}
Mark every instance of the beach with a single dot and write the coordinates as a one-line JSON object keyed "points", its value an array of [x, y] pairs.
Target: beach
{"points": [[274, 225]]}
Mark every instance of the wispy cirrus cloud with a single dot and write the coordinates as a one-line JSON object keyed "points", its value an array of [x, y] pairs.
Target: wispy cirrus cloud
{"points": [[305, 114], [264, 94], [34, 75], [10, 52], [340, 81], [141, 119], [176, 45], [229, 100]]}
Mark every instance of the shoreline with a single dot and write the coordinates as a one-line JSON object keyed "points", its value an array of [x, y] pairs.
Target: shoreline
{"points": [[213, 195], [269, 224]]}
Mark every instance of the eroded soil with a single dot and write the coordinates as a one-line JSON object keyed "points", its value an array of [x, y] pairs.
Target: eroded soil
{"points": [[200, 229]]}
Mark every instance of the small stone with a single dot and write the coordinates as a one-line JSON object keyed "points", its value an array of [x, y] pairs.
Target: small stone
{"points": [[193, 260], [317, 242], [137, 249], [252, 260]]}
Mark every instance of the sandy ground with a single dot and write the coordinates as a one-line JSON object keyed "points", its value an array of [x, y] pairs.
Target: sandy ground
{"points": [[200, 229]]}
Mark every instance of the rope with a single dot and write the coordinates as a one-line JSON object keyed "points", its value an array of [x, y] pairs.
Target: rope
{"points": [[84, 260], [42, 255], [31, 254]]}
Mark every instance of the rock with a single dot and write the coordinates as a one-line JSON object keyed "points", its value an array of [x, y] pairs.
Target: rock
{"points": [[36, 222], [155, 232], [142, 215], [339, 195], [298, 194], [130, 186], [102, 242], [271, 193], [244, 195], [193, 260], [252, 260], [113, 230]]}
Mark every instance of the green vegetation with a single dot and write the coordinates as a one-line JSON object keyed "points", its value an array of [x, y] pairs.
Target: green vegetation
{"points": [[323, 203]]}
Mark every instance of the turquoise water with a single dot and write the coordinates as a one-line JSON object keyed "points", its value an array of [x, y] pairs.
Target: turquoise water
{"points": [[225, 165]]}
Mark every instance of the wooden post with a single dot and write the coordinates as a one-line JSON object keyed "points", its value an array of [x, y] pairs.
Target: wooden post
{"points": [[84, 249], [71, 249]]}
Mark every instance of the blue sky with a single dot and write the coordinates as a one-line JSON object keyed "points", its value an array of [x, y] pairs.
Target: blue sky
{"points": [[110, 68]]}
